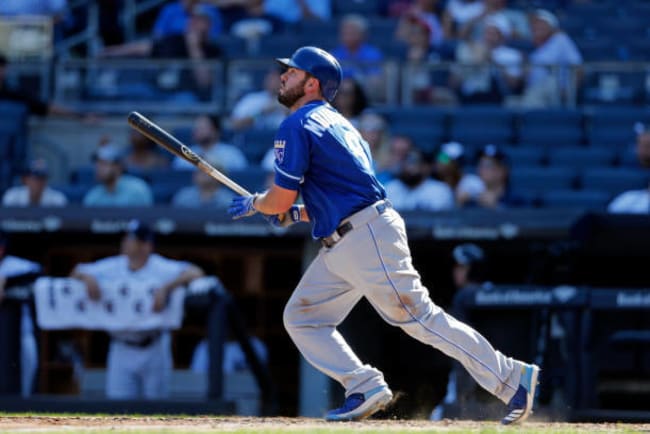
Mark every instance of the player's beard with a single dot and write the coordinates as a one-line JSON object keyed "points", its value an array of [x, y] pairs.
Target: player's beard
{"points": [[290, 96]]}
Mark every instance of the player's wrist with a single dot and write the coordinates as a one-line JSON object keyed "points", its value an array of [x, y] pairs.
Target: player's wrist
{"points": [[253, 200]]}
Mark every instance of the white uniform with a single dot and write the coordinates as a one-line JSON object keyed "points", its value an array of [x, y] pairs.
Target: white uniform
{"points": [[139, 363], [11, 266]]}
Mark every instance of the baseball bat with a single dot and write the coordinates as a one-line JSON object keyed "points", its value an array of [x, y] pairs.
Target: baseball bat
{"points": [[149, 129]]}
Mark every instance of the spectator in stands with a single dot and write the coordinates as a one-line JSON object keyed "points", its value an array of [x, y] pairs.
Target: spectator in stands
{"points": [[641, 148], [415, 33], [547, 86], [143, 154], [35, 105], [174, 17], [494, 170], [260, 109], [351, 99], [139, 363], [413, 188], [449, 168], [425, 14], [469, 274], [398, 149], [205, 191], [420, 54], [206, 134], [191, 82], [35, 190], [373, 129], [254, 21], [473, 29], [488, 71], [115, 188], [631, 202], [295, 11], [19, 271], [457, 14], [358, 58]]}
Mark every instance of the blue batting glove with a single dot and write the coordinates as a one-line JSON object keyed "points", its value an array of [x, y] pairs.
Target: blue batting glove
{"points": [[242, 206], [285, 219]]}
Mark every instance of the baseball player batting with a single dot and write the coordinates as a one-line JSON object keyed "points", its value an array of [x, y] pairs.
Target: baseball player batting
{"points": [[322, 157]]}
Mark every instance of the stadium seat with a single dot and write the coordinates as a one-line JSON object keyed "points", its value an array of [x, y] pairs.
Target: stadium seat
{"points": [[252, 178], [480, 136], [582, 157], [529, 156], [593, 200], [613, 126], [481, 125], [254, 143], [183, 133], [550, 127], [550, 136], [163, 193], [481, 116], [413, 115], [613, 87], [627, 157], [173, 178], [363, 7], [279, 45], [83, 175], [540, 179], [381, 32], [233, 47], [546, 117], [598, 48], [73, 192], [13, 125], [426, 138], [637, 49], [613, 180], [617, 116], [611, 137]]}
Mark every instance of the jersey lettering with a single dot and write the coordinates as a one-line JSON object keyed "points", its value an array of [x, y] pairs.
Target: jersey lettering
{"points": [[320, 120], [354, 143]]}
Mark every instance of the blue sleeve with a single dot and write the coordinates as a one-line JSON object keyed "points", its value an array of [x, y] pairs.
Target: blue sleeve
{"points": [[322, 8], [161, 24], [291, 147], [216, 27]]}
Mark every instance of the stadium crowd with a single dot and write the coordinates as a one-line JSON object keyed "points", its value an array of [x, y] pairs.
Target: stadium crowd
{"points": [[487, 77], [464, 104]]}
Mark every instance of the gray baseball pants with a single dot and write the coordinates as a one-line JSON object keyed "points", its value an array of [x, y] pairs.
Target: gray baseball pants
{"points": [[374, 261]]}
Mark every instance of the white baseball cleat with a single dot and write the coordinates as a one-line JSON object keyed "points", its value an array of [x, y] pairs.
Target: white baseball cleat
{"points": [[359, 406], [521, 404]]}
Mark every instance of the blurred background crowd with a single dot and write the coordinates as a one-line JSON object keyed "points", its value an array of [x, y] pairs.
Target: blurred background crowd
{"points": [[483, 103]]}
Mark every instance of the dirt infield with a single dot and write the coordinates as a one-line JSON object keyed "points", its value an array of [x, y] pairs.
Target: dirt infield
{"points": [[9, 424]]}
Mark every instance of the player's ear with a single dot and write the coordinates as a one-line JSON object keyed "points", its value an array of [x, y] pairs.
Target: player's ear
{"points": [[312, 83]]}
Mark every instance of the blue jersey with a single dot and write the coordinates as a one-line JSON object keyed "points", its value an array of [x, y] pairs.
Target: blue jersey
{"points": [[321, 155]]}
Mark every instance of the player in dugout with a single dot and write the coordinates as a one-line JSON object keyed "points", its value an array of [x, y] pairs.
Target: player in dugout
{"points": [[139, 363]]}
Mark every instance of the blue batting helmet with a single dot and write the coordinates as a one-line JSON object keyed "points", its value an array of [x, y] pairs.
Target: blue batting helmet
{"points": [[319, 63]]}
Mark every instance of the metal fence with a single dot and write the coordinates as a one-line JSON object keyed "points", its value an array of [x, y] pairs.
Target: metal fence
{"points": [[170, 86]]}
